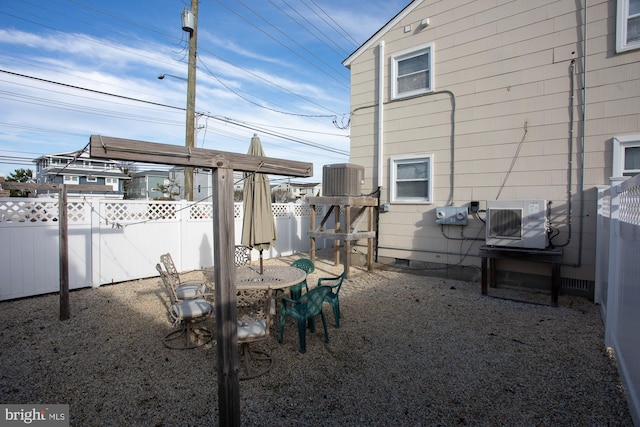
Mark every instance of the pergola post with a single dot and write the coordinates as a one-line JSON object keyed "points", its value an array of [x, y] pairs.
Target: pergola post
{"points": [[225, 290]]}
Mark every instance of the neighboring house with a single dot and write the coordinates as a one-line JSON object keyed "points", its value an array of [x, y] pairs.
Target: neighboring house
{"points": [[461, 101], [78, 168], [147, 185], [201, 182], [3, 193], [299, 190]]}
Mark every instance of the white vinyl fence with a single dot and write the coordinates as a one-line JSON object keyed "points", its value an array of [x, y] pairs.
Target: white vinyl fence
{"points": [[618, 280], [112, 241]]}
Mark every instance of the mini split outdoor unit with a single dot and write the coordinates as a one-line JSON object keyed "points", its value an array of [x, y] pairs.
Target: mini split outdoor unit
{"points": [[344, 179], [517, 224]]}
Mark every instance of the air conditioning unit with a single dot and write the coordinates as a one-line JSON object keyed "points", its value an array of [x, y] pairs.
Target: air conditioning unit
{"points": [[517, 224], [344, 179]]}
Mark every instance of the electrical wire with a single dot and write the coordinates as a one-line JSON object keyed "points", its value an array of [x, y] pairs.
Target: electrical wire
{"points": [[235, 92], [340, 82], [342, 31], [158, 32]]}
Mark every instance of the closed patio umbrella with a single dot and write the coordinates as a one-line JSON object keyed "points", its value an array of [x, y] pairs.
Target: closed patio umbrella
{"points": [[258, 226]]}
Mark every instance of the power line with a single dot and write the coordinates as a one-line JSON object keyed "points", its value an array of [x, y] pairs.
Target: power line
{"points": [[281, 43], [345, 34], [89, 90], [219, 118], [166, 35], [306, 28], [269, 81], [255, 103], [339, 72]]}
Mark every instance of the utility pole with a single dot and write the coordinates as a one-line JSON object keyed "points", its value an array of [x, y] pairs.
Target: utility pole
{"points": [[190, 25]]}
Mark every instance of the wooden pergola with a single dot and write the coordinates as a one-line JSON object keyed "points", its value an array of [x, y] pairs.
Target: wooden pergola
{"points": [[222, 164]]}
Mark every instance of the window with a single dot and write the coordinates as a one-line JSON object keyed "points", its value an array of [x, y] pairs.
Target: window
{"points": [[411, 179], [113, 182], [412, 72], [628, 25], [626, 155], [92, 178], [70, 179]]}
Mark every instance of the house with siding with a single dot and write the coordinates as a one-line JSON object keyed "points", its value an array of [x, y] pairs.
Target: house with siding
{"points": [[458, 103], [77, 168], [148, 184]]}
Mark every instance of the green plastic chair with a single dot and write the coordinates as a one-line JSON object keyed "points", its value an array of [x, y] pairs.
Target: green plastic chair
{"points": [[334, 283], [303, 264], [303, 311]]}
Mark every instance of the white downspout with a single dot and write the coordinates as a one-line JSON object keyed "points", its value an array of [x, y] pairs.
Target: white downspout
{"points": [[380, 110]]}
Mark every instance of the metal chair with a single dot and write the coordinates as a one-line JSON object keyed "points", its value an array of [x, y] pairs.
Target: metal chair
{"points": [[303, 311], [185, 315], [305, 264], [184, 289], [253, 307], [335, 283]]}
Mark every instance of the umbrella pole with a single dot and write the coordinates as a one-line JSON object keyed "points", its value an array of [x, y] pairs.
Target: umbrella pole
{"points": [[261, 261]]}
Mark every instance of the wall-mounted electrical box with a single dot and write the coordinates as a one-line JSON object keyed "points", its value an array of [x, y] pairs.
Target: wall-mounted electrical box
{"points": [[452, 215]]}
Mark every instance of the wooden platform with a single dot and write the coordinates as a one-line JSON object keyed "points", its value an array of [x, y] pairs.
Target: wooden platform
{"points": [[357, 210], [551, 256]]}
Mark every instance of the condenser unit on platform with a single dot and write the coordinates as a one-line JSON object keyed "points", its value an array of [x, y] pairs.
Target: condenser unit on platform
{"points": [[344, 179]]}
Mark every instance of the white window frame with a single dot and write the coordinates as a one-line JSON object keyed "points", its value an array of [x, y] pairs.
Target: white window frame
{"points": [[393, 169], [71, 179], [113, 182], [407, 54], [622, 19], [92, 178], [620, 144]]}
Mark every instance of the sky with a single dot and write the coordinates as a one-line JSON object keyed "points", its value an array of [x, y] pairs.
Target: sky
{"points": [[73, 68]]}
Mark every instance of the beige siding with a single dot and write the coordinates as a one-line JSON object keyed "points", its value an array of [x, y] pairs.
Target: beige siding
{"points": [[508, 65]]}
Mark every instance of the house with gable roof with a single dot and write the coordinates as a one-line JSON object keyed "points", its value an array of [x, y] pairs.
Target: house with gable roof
{"points": [[457, 104]]}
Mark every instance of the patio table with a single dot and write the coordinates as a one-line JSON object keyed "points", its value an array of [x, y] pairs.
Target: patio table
{"points": [[273, 277]]}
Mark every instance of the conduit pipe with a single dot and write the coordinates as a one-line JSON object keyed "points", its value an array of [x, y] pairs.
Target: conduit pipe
{"points": [[380, 136]]}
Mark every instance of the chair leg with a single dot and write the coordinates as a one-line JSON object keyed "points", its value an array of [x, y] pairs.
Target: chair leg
{"points": [[302, 332], [282, 319], [324, 324], [181, 338], [248, 357], [336, 312]]}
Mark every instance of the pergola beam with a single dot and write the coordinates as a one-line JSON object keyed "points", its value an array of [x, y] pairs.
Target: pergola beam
{"points": [[104, 147]]}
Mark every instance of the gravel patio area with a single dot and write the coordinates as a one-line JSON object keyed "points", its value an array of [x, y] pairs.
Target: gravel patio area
{"points": [[411, 350]]}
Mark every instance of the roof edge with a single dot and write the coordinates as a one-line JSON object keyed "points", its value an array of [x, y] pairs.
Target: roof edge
{"points": [[381, 32]]}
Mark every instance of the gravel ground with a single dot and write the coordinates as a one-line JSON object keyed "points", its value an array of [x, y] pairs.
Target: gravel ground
{"points": [[411, 350]]}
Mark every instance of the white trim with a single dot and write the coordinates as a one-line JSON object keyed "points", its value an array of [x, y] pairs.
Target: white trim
{"points": [[405, 54], [393, 160], [620, 143], [70, 179], [380, 33], [622, 17]]}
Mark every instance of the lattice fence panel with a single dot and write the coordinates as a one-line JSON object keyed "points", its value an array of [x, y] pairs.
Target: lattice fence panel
{"points": [[280, 210], [30, 211], [630, 205], [201, 211], [301, 210], [127, 212]]}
